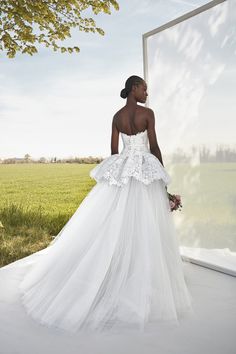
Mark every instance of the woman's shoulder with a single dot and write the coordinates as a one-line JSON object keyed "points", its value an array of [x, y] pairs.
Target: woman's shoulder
{"points": [[120, 111], [140, 108], [142, 114], [149, 110], [146, 110]]}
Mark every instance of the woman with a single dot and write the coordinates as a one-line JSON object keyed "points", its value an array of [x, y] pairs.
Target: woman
{"points": [[115, 264], [132, 118]]}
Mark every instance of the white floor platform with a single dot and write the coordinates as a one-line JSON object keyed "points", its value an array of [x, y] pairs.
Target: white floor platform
{"points": [[212, 329], [222, 260]]}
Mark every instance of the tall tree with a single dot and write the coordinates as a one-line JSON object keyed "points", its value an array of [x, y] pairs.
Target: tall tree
{"points": [[24, 24]]}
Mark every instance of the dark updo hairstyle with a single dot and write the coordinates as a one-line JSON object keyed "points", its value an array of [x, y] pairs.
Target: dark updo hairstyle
{"points": [[132, 80]]}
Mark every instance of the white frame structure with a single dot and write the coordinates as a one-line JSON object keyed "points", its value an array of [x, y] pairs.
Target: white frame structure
{"points": [[171, 24], [145, 73]]}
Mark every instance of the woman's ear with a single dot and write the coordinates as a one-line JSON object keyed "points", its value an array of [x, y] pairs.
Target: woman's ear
{"points": [[134, 88]]}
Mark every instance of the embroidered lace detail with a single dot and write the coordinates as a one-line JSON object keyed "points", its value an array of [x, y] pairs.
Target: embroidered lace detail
{"points": [[135, 160]]}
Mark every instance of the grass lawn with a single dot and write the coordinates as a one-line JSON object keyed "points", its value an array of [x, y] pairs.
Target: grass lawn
{"points": [[38, 199]]}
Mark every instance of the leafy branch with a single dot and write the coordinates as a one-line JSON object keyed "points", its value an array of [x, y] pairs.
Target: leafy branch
{"points": [[25, 24]]}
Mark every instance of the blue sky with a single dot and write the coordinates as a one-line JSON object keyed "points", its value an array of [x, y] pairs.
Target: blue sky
{"points": [[62, 105]]}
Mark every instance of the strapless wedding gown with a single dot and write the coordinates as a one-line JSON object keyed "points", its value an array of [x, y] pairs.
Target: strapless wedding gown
{"points": [[116, 263]]}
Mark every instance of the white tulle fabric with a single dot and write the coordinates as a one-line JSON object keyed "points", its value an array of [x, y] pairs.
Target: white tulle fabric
{"points": [[116, 264], [135, 160]]}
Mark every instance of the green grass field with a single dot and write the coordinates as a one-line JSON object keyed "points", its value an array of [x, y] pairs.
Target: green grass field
{"points": [[38, 199], [36, 202]]}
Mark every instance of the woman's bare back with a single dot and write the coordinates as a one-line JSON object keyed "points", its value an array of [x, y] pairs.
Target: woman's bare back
{"points": [[133, 120]]}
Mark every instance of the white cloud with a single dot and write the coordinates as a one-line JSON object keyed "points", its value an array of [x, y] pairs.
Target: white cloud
{"points": [[217, 18], [185, 2]]}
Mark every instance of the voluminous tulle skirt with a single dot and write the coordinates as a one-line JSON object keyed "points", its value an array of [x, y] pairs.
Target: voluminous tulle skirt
{"points": [[115, 264]]}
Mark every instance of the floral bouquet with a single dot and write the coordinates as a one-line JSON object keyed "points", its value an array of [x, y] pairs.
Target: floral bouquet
{"points": [[175, 201]]}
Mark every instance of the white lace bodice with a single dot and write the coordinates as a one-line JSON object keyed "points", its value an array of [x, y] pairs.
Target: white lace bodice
{"points": [[135, 160]]}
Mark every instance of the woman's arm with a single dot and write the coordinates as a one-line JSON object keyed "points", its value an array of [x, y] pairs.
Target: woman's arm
{"points": [[114, 137], [154, 148]]}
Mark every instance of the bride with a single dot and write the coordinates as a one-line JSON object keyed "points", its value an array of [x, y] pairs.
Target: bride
{"points": [[116, 263]]}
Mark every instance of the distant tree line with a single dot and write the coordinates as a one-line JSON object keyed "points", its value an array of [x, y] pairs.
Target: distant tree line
{"points": [[222, 154], [28, 159]]}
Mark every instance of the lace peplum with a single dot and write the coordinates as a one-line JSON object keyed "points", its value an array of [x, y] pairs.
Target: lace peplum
{"points": [[135, 160]]}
